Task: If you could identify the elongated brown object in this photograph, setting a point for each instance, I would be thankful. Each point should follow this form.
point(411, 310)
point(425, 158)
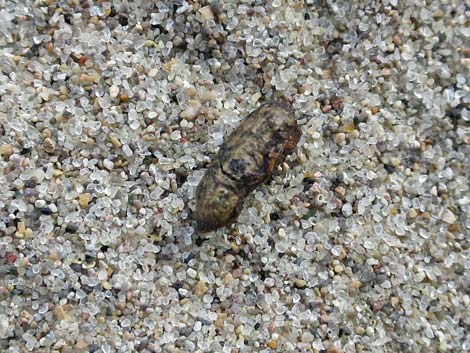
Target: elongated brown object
point(245, 160)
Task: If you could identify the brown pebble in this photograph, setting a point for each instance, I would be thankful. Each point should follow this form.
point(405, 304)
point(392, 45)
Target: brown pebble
point(192, 110)
point(326, 74)
point(355, 284)
point(338, 269)
point(115, 141)
point(49, 145)
point(340, 137)
point(397, 40)
point(332, 349)
point(46, 133)
point(342, 255)
point(219, 323)
point(101, 319)
point(455, 228)
point(184, 301)
point(128, 335)
point(210, 114)
point(81, 344)
point(191, 91)
point(426, 215)
point(26, 315)
point(206, 12)
point(228, 278)
point(6, 150)
point(340, 190)
point(394, 301)
point(272, 344)
point(54, 256)
point(324, 318)
point(200, 288)
point(302, 89)
point(412, 213)
point(88, 79)
point(465, 51)
point(360, 330)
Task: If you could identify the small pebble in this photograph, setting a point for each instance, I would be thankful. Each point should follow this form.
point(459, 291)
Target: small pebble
point(360, 330)
point(307, 337)
point(192, 110)
point(394, 301)
point(49, 145)
point(338, 269)
point(347, 210)
point(272, 344)
point(412, 213)
point(84, 200)
point(21, 227)
point(448, 217)
point(191, 272)
point(115, 141)
point(200, 289)
point(101, 319)
point(300, 283)
point(92, 348)
point(40, 203)
point(113, 91)
point(46, 211)
point(28, 233)
point(332, 349)
point(419, 276)
point(59, 312)
point(81, 344)
point(6, 150)
point(88, 79)
point(206, 12)
point(108, 164)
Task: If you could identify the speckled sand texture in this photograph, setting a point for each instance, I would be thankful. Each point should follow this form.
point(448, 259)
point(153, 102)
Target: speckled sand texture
point(110, 114)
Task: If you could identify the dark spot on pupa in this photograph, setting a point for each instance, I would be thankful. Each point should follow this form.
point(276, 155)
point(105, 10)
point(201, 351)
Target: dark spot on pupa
point(238, 166)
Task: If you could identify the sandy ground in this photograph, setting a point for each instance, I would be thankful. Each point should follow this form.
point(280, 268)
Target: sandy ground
point(109, 115)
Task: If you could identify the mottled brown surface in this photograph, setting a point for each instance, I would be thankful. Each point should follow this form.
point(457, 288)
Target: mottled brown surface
point(245, 160)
